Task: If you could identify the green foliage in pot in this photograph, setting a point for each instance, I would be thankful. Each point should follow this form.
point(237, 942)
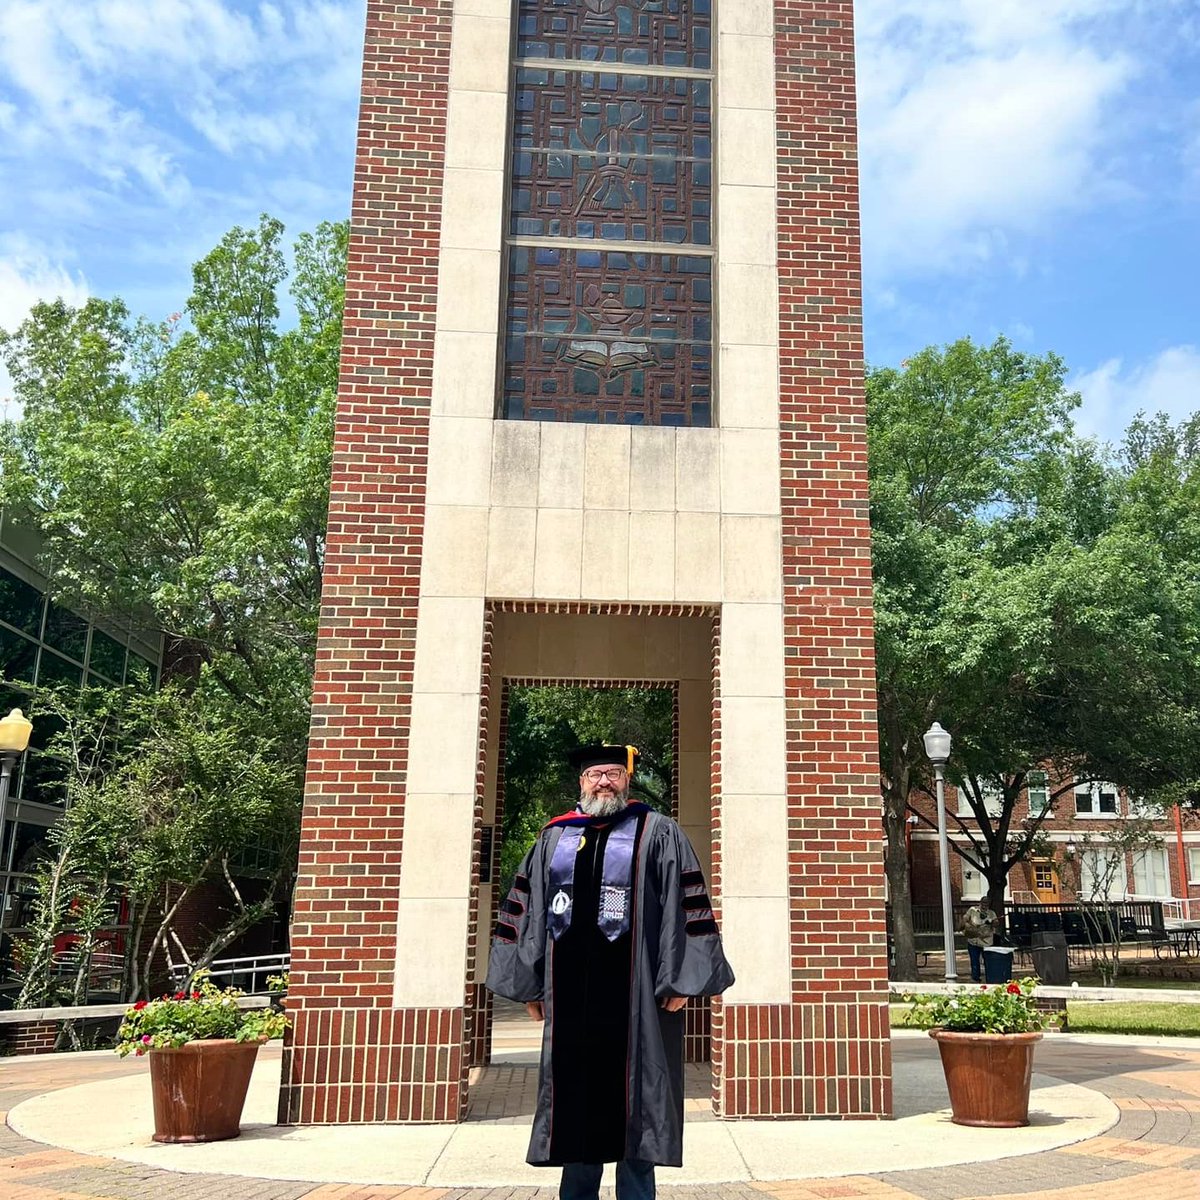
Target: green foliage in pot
point(205, 1014)
point(1005, 1008)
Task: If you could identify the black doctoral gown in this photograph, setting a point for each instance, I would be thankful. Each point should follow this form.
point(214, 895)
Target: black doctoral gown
point(610, 1084)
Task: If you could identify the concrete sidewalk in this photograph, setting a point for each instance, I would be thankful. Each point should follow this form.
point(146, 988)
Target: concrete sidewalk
point(1110, 1115)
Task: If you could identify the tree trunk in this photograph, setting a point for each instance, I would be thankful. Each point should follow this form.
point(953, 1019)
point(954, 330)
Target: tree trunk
point(899, 882)
point(995, 894)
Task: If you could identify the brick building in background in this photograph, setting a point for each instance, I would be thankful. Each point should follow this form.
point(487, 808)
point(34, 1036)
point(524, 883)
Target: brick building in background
point(1085, 820)
point(601, 418)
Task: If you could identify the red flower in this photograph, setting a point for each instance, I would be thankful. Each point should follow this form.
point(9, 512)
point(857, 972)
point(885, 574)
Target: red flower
point(195, 995)
point(1013, 989)
point(139, 1006)
point(180, 996)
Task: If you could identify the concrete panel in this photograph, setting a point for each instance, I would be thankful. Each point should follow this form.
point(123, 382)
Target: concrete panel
point(464, 374)
point(469, 291)
point(607, 454)
point(746, 224)
point(746, 149)
point(698, 470)
point(460, 460)
point(752, 650)
point(473, 209)
point(431, 953)
point(748, 296)
point(751, 559)
point(449, 644)
point(753, 746)
point(651, 556)
point(750, 388)
point(438, 833)
point(455, 558)
point(605, 573)
point(750, 471)
point(516, 449)
point(754, 845)
point(476, 130)
point(561, 465)
point(479, 54)
point(443, 743)
point(747, 70)
point(512, 534)
point(559, 553)
point(697, 557)
point(757, 940)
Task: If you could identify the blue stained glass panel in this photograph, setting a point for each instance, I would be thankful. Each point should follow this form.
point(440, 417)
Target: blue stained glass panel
point(664, 32)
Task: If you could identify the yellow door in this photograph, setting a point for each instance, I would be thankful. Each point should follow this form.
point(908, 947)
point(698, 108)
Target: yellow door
point(1045, 881)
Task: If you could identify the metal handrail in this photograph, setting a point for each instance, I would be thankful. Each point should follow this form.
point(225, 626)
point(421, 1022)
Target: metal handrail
point(243, 973)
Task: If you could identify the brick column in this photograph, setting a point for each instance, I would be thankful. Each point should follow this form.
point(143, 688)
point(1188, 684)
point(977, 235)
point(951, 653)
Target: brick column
point(827, 1053)
point(352, 1056)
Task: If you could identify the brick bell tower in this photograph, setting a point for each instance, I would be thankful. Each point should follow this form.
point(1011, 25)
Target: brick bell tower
point(601, 418)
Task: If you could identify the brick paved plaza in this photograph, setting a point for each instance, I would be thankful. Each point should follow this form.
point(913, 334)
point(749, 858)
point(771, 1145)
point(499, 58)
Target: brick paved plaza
point(1153, 1152)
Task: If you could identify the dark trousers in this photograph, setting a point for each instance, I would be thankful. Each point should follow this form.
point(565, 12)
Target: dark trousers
point(581, 1181)
point(976, 954)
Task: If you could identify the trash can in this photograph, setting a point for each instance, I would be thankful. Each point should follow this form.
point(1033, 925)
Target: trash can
point(1049, 953)
point(997, 963)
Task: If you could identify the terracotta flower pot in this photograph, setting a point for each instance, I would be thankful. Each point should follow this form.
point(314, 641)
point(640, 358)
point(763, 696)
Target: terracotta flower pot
point(200, 1089)
point(988, 1076)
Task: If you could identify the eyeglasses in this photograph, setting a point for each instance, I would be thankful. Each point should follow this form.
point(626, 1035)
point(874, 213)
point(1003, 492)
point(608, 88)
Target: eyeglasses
point(616, 774)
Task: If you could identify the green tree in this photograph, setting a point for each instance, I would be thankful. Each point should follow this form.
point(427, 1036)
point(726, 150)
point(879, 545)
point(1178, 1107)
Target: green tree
point(179, 471)
point(165, 793)
point(1033, 593)
point(959, 438)
point(546, 723)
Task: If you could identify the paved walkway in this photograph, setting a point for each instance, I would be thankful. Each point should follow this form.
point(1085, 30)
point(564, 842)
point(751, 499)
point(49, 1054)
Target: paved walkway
point(1152, 1151)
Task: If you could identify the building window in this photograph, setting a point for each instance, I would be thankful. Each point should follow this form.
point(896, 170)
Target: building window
point(1043, 877)
point(1102, 875)
point(609, 271)
point(991, 793)
point(1151, 876)
point(1038, 787)
point(1194, 864)
point(1096, 799)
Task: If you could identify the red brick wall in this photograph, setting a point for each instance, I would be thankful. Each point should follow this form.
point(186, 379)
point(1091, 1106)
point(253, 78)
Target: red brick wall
point(30, 1037)
point(349, 1047)
point(827, 1053)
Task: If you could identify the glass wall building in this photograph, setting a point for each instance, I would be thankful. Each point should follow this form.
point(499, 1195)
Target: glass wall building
point(41, 643)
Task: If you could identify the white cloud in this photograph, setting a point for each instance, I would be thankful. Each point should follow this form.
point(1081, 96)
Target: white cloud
point(27, 275)
point(983, 121)
point(101, 86)
point(1114, 394)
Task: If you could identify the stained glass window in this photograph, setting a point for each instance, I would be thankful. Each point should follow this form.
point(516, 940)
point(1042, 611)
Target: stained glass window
point(609, 257)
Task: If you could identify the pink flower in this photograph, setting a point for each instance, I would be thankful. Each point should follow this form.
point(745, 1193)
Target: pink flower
point(146, 1039)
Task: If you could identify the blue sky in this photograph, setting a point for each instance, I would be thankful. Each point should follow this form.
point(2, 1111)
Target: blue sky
point(1030, 167)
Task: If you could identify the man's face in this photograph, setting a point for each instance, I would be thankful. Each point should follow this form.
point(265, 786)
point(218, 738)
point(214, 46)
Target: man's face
point(604, 789)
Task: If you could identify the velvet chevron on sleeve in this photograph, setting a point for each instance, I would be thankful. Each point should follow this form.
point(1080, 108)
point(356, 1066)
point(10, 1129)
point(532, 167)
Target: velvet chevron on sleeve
point(606, 918)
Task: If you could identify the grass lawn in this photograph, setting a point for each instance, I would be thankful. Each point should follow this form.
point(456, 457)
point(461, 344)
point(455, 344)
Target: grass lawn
point(1118, 1017)
point(1182, 1020)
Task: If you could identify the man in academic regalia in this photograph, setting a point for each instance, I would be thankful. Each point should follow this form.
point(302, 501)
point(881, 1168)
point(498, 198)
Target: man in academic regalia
point(608, 929)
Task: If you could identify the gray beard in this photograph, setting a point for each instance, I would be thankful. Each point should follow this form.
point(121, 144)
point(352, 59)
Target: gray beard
point(601, 806)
